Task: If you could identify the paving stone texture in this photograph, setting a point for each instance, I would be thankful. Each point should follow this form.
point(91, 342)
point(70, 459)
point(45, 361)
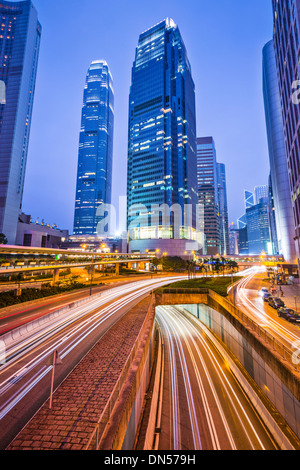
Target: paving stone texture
point(79, 401)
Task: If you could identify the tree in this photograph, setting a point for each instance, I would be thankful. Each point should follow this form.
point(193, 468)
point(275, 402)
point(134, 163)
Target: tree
point(173, 263)
point(155, 262)
point(3, 239)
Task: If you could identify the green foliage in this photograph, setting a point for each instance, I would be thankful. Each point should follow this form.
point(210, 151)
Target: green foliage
point(3, 239)
point(173, 263)
point(9, 298)
point(217, 284)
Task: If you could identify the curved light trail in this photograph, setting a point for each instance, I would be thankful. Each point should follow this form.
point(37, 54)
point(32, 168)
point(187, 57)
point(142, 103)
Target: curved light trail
point(27, 359)
point(256, 310)
point(220, 417)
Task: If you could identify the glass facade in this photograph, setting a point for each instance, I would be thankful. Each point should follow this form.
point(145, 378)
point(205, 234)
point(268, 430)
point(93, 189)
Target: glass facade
point(278, 157)
point(20, 34)
point(94, 175)
point(161, 138)
point(258, 228)
point(207, 177)
point(254, 227)
point(286, 40)
point(248, 199)
point(223, 208)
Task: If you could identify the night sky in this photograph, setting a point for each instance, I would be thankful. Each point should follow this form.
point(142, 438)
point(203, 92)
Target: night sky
point(224, 41)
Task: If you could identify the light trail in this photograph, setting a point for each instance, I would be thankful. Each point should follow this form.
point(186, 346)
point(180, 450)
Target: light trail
point(217, 404)
point(28, 357)
point(260, 314)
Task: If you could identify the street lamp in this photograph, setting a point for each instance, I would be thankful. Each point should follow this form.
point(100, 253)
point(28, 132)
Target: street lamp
point(92, 271)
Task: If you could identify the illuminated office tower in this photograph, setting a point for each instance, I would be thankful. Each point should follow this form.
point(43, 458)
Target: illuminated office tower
point(94, 175)
point(20, 33)
point(261, 192)
point(223, 208)
point(258, 228)
point(208, 195)
point(278, 157)
point(162, 142)
point(248, 199)
point(286, 41)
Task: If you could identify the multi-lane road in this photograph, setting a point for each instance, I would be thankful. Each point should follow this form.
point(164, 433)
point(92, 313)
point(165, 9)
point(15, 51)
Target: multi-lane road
point(25, 375)
point(248, 299)
point(203, 405)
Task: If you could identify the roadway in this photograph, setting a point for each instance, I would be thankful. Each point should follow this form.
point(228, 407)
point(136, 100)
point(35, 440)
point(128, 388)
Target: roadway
point(203, 405)
point(248, 299)
point(25, 376)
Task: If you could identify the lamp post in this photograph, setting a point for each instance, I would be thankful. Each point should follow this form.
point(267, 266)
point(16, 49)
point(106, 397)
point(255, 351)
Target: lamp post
point(92, 271)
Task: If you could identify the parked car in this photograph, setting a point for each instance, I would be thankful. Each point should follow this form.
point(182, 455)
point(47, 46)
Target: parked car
point(289, 314)
point(266, 296)
point(276, 302)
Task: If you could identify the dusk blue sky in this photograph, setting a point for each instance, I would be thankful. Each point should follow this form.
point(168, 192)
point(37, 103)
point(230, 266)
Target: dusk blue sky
point(224, 41)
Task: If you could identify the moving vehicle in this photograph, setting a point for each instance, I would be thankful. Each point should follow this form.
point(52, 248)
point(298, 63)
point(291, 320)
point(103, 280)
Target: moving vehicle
point(263, 291)
point(289, 314)
point(276, 302)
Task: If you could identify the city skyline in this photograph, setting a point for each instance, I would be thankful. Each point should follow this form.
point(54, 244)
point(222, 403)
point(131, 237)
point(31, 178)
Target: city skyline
point(154, 308)
point(47, 184)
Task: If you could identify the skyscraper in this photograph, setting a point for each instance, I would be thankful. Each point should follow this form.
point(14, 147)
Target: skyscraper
point(223, 208)
point(286, 41)
point(248, 199)
point(261, 192)
point(278, 157)
point(258, 228)
point(161, 142)
point(20, 34)
point(208, 193)
point(254, 226)
point(94, 174)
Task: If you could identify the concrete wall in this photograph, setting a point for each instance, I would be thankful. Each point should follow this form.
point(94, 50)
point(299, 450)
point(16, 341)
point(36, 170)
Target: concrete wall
point(270, 381)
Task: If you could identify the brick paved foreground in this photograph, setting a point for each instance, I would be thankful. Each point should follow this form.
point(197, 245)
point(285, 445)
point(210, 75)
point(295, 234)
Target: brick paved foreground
point(79, 401)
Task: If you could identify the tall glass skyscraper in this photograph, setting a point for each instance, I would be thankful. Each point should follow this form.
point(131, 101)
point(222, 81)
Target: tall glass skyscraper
point(286, 39)
point(278, 157)
point(254, 226)
point(207, 176)
point(94, 175)
point(223, 208)
point(162, 137)
point(20, 34)
point(258, 228)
